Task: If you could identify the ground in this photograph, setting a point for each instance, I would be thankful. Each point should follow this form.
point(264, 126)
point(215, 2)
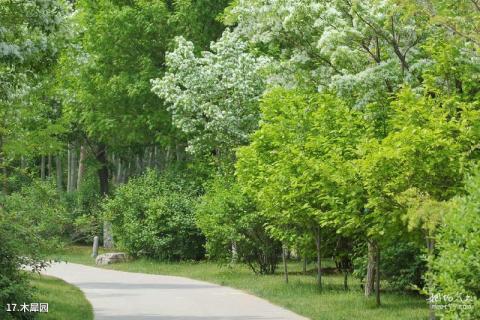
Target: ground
point(300, 295)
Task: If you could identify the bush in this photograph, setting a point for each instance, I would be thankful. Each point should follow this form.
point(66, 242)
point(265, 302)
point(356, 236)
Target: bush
point(31, 222)
point(455, 271)
point(14, 287)
point(153, 215)
point(402, 264)
point(42, 210)
point(234, 228)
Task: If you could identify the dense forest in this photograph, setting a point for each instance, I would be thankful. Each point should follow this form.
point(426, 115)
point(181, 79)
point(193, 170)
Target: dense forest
point(247, 131)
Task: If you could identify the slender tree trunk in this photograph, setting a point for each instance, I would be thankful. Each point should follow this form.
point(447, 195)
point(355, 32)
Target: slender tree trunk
point(42, 168)
point(430, 250)
point(370, 279)
point(345, 280)
point(49, 165)
point(285, 267)
point(58, 167)
point(74, 167)
point(234, 252)
point(81, 165)
point(118, 178)
point(377, 282)
point(318, 240)
point(305, 265)
point(101, 156)
point(3, 167)
point(69, 168)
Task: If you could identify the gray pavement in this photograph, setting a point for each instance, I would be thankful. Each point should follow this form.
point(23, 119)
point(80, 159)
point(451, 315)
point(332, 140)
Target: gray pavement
point(117, 295)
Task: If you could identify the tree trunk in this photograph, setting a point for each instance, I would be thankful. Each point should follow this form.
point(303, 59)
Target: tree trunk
point(345, 280)
point(234, 252)
point(304, 265)
point(370, 279)
point(101, 156)
point(74, 167)
point(81, 166)
point(42, 168)
point(58, 167)
point(285, 267)
point(318, 240)
point(49, 165)
point(3, 167)
point(430, 250)
point(377, 272)
point(118, 178)
point(69, 168)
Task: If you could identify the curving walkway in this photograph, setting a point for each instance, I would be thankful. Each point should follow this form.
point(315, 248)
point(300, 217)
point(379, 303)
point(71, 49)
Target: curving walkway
point(117, 295)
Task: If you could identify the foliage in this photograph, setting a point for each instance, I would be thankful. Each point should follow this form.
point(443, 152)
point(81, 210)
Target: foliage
point(455, 270)
point(41, 209)
point(108, 88)
point(297, 164)
point(153, 215)
point(234, 228)
point(213, 98)
point(32, 222)
point(13, 283)
point(362, 50)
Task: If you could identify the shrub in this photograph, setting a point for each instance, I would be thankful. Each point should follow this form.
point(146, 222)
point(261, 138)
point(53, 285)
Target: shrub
point(42, 210)
point(153, 215)
point(234, 228)
point(455, 271)
point(402, 264)
point(31, 222)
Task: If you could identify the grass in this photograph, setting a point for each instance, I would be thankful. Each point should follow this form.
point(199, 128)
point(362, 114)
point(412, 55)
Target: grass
point(65, 301)
point(299, 295)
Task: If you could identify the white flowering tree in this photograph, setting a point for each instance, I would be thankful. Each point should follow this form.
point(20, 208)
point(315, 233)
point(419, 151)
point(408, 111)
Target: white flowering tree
point(363, 50)
point(213, 97)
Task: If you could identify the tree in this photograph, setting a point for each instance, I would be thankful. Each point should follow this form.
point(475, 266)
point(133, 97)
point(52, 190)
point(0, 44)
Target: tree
point(297, 165)
point(213, 98)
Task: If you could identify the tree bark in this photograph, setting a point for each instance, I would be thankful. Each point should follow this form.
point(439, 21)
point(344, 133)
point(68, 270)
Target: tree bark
point(370, 279)
point(69, 168)
point(285, 267)
point(430, 250)
point(101, 156)
point(42, 168)
point(377, 272)
point(49, 165)
point(319, 257)
point(74, 168)
point(345, 280)
point(58, 167)
point(81, 166)
point(3, 167)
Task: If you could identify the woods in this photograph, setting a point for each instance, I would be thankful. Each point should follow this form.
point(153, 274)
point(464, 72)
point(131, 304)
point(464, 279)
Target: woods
point(247, 132)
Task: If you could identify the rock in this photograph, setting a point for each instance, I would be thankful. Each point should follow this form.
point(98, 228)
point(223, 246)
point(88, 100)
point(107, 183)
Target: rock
point(113, 257)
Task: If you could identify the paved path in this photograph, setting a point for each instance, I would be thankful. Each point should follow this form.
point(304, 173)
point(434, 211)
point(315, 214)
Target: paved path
point(117, 295)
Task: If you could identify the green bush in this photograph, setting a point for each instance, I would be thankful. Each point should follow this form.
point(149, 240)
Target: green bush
point(153, 215)
point(42, 210)
point(402, 264)
point(229, 219)
point(32, 221)
point(455, 270)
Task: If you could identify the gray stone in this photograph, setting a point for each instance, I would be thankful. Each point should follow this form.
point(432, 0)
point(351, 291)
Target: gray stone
point(112, 257)
point(95, 247)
